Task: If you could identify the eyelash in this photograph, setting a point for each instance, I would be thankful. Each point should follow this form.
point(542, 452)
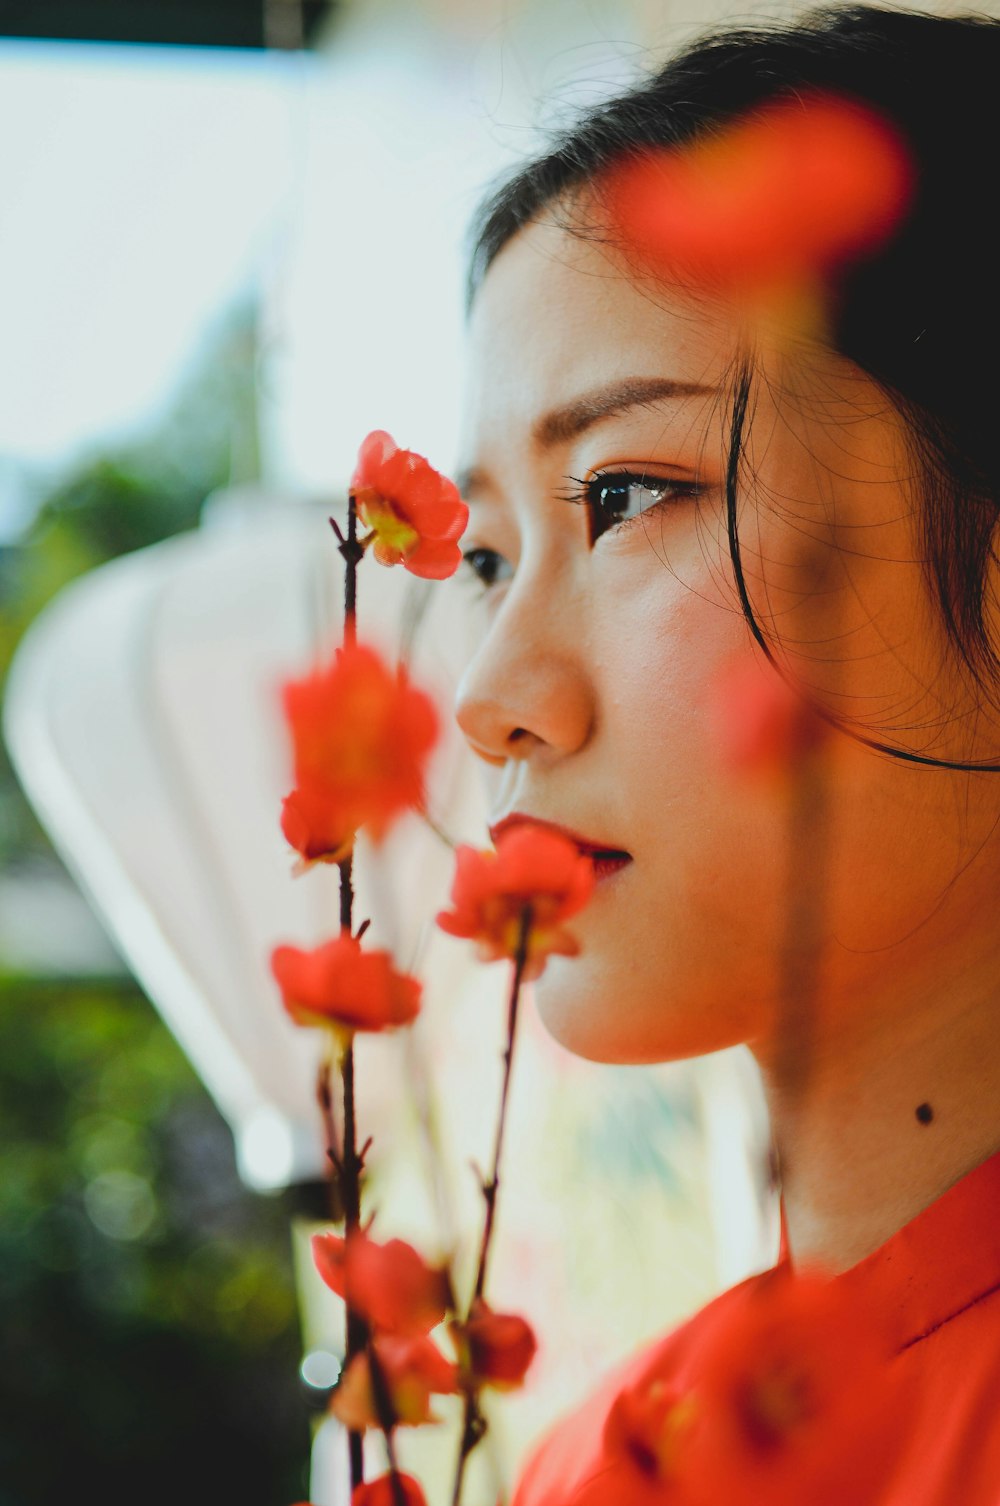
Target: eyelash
point(589, 491)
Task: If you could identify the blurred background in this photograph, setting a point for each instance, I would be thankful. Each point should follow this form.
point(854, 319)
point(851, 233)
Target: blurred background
point(231, 243)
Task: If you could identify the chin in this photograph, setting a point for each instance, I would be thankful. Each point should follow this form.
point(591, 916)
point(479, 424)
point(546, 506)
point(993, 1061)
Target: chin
point(603, 1024)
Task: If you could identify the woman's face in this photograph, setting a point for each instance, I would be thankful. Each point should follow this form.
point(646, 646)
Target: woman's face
point(595, 438)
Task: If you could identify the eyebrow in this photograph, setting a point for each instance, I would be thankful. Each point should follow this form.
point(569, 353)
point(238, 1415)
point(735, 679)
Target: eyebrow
point(566, 423)
point(574, 418)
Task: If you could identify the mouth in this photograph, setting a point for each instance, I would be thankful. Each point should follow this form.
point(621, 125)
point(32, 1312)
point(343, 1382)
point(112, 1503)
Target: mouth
point(606, 860)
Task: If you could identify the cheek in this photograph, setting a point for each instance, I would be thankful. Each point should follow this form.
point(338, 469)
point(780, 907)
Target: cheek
point(667, 941)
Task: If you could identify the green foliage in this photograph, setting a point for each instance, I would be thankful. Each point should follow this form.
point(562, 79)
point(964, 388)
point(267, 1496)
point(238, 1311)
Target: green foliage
point(138, 494)
point(148, 1334)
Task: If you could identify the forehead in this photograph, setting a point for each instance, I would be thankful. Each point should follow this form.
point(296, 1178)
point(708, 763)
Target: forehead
point(558, 314)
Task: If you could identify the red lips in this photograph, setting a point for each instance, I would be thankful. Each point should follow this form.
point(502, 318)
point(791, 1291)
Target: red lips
point(606, 860)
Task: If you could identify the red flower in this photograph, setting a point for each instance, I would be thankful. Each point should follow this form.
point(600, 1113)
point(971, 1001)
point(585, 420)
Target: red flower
point(415, 514)
point(648, 1431)
point(339, 984)
point(763, 725)
point(316, 827)
point(386, 1492)
point(782, 196)
point(789, 1399)
point(798, 1399)
point(499, 1346)
point(389, 1284)
point(361, 735)
point(533, 869)
point(413, 1371)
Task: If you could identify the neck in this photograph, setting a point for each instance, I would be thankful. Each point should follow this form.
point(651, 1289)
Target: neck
point(884, 1121)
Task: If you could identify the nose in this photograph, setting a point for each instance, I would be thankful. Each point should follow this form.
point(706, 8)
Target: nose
point(527, 692)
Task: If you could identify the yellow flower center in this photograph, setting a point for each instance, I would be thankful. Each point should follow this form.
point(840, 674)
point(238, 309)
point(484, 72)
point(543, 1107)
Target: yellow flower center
point(395, 535)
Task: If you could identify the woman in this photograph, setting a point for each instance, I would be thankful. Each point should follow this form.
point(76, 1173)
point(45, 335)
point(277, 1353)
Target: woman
point(668, 492)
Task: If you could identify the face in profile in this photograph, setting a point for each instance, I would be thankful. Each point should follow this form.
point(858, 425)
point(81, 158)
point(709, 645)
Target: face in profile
point(606, 613)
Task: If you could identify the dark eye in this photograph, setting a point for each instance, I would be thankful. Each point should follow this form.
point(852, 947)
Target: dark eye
point(487, 566)
point(622, 497)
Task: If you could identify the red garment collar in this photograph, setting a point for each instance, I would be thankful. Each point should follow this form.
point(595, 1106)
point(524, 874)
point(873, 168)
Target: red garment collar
point(940, 1263)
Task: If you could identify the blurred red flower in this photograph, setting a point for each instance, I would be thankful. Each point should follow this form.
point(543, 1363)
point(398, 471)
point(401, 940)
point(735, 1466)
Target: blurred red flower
point(763, 725)
point(413, 1371)
point(790, 1399)
point(361, 736)
point(342, 985)
point(781, 196)
point(386, 1492)
point(390, 1284)
point(415, 513)
point(648, 1432)
point(533, 869)
point(499, 1346)
point(798, 1397)
point(316, 826)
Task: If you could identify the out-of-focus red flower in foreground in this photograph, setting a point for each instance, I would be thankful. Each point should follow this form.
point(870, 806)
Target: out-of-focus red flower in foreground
point(390, 1284)
point(648, 1430)
point(316, 826)
point(498, 1347)
point(779, 197)
point(341, 985)
point(415, 514)
point(790, 1399)
point(798, 1393)
point(533, 869)
point(387, 1492)
point(361, 736)
point(763, 726)
point(413, 1370)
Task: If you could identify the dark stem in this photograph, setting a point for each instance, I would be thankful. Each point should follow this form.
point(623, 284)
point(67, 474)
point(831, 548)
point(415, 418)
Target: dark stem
point(352, 553)
point(386, 1414)
point(473, 1428)
point(350, 1168)
point(491, 1189)
point(351, 1161)
point(324, 1097)
point(473, 1421)
point(350, 1177)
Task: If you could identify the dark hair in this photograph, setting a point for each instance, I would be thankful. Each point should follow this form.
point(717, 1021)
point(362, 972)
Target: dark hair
point(922, 317)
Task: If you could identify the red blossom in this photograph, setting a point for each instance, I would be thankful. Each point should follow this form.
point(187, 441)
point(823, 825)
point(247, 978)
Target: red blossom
point(789, 1399)
point(390, 1284)
point(764, 726)
point(648, 1432)
point(413, 1370)
point(386, 1491)
point(779, 197)
point(315, 825)
point(533, 869)
point(415, 514)
point(342, 985)
point(361, 736)
point(499, 1346)
point(799, 1401)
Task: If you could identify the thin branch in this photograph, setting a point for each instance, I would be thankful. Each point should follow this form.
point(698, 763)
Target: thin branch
point(473, 1422)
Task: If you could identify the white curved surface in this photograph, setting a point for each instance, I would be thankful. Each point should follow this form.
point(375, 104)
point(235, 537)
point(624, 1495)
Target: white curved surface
point(143, 718)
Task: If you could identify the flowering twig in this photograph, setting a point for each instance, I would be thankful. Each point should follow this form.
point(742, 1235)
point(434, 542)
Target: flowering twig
point(361, 734)
point(491, 1188)
point(473, 1422)
point(350, 1165)
point(385, 1412)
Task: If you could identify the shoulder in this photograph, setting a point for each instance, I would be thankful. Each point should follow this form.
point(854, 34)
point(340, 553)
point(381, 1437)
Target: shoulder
point(571, 1462)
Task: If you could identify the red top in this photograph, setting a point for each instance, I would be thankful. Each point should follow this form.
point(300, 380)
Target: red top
point(937, 1280)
